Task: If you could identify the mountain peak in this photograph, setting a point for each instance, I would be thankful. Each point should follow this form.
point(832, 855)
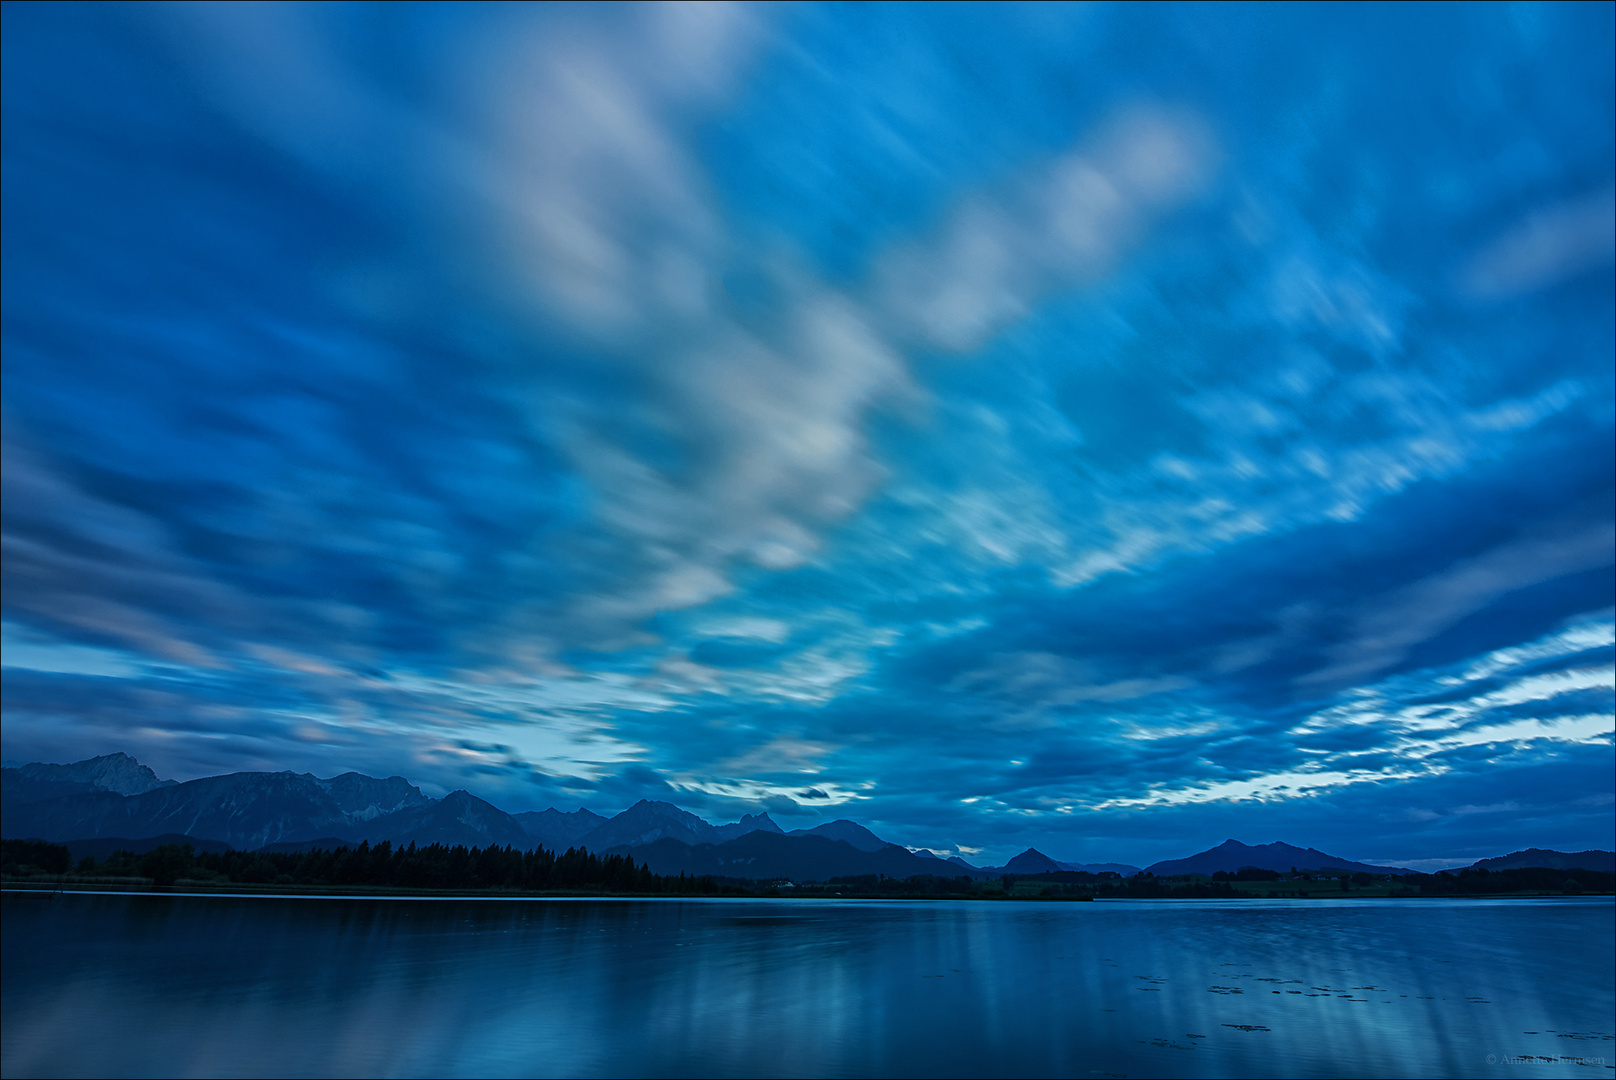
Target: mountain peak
point(646, 821)
point(657, 806)
point(749, 823)
point(848, 832)
point(1031, 861)
point(1232, 855)
point(1594, 859)
point(116, 772)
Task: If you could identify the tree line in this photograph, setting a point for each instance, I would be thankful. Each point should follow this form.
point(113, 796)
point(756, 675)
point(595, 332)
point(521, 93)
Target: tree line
point(434, 866)
point(507, 869)
point(1074, 885)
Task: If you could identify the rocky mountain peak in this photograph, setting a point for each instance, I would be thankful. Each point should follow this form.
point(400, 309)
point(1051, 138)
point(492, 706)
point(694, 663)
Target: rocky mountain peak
point(118, 773)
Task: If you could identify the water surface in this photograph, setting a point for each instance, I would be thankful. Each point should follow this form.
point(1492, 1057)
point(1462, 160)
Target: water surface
point(122, 985)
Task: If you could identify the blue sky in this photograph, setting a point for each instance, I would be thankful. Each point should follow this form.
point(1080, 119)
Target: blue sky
point(1105, 428)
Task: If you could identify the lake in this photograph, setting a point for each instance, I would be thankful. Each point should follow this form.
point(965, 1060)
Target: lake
point(235, 986)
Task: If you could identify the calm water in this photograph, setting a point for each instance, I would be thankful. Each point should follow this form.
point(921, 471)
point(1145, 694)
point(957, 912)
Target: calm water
point(120, 985)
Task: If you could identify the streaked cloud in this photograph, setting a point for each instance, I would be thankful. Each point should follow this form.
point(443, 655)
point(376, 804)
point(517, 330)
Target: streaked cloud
point(945, 416)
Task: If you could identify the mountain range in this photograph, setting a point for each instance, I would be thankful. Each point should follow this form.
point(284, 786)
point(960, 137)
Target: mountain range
point(1232, 855)
point(115, 800)
point(1553, 860)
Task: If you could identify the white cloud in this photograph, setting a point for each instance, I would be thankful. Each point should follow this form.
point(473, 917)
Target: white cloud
point(1553, 243)
point(819, 794)
point(1352, 304)
point(1593, 633)
point(1269, 787)
point(1238, 488)
point(1067, 222)
point(782, 754)
point(31, 651)
point(558, 156)
point(1416, 737)
point(750, 627)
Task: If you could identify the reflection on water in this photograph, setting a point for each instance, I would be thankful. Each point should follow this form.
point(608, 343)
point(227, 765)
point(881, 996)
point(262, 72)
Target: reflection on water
point(123, 985)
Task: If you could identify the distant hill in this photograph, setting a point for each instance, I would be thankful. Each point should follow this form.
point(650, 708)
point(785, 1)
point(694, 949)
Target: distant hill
point(1232, 855)
point(244, 810)
point(1031, 861)
point(848, 832)
point(642, 823)
point(556, 830)
point(766, 856)
point(749, 823)
point(114, 799)
point(100, 847)
point(1595, 859)
point(457, 818)
point(646, 822)
point(1124, 869)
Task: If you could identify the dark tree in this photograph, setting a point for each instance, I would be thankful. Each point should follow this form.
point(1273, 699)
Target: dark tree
point(166, 862)
point(21, 857)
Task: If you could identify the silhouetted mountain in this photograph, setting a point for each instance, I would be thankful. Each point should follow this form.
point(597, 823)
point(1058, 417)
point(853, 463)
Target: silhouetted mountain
point(457, 818)
point(646, 822)
point(1595, 859)
point(18, 788)
point(848, 832)
point(245, 810)
point(115, 799)
point(118, 773)
point(761, 855)
point(748, 823)
point(1031, 861)
point(250, 810)
point(365, 798)
point(1100, 868)
point(557, 830)
point(1232, 855)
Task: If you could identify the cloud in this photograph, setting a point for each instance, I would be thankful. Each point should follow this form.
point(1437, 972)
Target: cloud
point(782, 754)
point(1552, 244)
point(1390, 627)
point(770, 428)
point(583, 404)
point(1034, 688)
point(777, 798)
point(1066, 223)
point(32, 651)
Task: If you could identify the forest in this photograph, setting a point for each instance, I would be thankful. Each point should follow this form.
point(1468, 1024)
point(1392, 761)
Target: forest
point(383, 866)
point(438, 867)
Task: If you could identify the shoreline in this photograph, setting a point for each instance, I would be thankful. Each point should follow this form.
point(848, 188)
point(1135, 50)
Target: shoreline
point(18, 891)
